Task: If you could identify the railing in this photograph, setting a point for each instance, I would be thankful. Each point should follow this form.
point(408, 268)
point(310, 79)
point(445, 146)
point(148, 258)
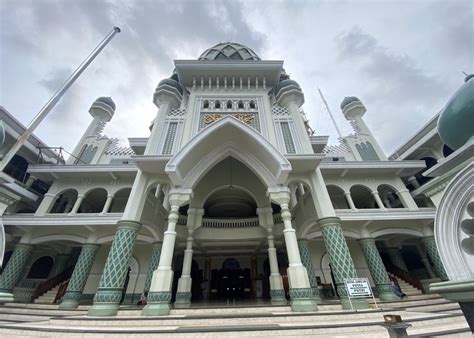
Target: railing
point(406, 277)
point(61, 291)
point(230, 222)
point(51, 283)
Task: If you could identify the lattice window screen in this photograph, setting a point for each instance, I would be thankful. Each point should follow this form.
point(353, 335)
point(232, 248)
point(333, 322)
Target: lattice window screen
point(170, 136)
point(289, 144)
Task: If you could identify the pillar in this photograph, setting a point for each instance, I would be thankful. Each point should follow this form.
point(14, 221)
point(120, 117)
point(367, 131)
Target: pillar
point(78, 279)
point(396, 258)
point(77, 205)
point(341, 260)
point(300, 288)
point(407, 199)
point(183, 294)
point(61, 262)
point(107, 204)
point(46, 204)
point(303, 246)
point(109, 293)
point(277, 290)
point(349, 200)
point(13, 270)
point(377, 269)
point(159, 296)
point(425, 260)
point(432, 251)
point(378, 200)
point(154, 260)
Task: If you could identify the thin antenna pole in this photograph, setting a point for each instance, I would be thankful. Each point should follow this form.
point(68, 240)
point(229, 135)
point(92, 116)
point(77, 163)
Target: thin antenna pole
point(55, 99)
point(330, 114)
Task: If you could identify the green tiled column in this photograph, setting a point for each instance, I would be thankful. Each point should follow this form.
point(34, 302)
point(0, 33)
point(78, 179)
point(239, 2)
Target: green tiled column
point(303, 246)
point(341, 260)
point(377, 269)
point(60, 264)
point(396, 258)
point(109, 293)
point(432, 251)
point(79, 277)
point(13, 270)
point(154, 260)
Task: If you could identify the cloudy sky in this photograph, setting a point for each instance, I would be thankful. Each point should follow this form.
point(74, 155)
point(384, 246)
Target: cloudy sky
point(404, 59)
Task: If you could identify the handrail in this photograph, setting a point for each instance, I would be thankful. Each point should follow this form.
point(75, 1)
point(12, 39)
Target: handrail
point(235, 222)
point(51, 283)
point(405, 276)
point(61, 291)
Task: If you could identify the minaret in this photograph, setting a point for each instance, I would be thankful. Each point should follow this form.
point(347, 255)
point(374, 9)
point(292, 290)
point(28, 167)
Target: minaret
point(364, 145)
point(102, 111)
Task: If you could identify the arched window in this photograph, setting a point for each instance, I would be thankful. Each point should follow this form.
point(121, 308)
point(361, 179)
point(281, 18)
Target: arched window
point(252, 104)
point(120, 200)
point(41, 268)
point(94, 201)
point(389, 196)
point(231, 263)
point(217, 104)
point(205, 104)
point(65, 202)
point(241, 104)
point(337, 196)
point(229, 104)
point(363, 198)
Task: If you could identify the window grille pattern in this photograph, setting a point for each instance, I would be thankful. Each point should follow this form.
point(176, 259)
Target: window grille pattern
point(170, 136)
point(289, 144)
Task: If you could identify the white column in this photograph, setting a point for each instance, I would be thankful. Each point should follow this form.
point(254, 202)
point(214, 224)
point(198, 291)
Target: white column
point(277, 290)
point(46, 204)
point(378, 200)
point(77, 205)
point(349, 200)
point(107, 204)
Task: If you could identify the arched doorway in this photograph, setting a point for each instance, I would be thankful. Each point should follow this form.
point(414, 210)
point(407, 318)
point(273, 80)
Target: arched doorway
point(234, 283)
point(41, 268)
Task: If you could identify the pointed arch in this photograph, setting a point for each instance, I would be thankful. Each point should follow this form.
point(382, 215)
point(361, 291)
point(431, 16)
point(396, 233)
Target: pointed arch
point(224, 138)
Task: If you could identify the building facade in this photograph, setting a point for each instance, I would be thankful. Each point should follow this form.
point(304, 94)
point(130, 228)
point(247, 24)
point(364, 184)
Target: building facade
point(231, 197)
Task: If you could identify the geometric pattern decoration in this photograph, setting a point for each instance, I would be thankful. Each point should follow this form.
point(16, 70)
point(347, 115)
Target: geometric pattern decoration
point(300, 293)
point(159, 297)
point(280, 111)
point(81, 272)
point(183, 297)
point(396, 258)
point(15, 266)
point(154, 260)
point(376, 266)
point(339, 255)
point(305, 254)
point(432, 251)
point(116, 266)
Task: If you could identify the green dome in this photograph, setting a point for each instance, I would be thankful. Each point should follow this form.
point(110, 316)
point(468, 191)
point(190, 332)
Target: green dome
point(456, 121)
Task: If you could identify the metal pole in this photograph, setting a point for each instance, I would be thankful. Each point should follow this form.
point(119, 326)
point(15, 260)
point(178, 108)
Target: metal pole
point(330, 114)
point(55, 99)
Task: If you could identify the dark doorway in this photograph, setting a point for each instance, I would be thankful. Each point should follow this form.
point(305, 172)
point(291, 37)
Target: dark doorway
point(41, 268)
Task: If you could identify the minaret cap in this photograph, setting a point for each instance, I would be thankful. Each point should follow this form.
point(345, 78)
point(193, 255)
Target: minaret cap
point(103, 109)
point(352, 107)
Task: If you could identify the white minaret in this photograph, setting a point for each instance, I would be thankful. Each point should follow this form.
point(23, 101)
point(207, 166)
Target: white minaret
point(364, 145)
point(102, 111)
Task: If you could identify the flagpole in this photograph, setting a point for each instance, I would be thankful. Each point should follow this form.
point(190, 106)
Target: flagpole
point(55, 99)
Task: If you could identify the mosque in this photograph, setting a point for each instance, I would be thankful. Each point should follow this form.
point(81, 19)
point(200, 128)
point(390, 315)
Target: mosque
point(231, 197)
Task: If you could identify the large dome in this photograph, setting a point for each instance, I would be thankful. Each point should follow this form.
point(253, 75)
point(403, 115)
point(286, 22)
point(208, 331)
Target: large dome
point(229, 51)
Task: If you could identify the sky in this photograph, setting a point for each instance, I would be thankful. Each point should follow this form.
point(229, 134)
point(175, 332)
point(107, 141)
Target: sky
point(403, 59)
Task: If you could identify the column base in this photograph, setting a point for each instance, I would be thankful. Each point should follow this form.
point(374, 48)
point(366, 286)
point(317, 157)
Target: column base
point(357, 304)
point(183, 299)
point(6, 297)
point(278, 297)
point(156, 309)
point(302, 301)
point(315, 294)
point(70, 300)
point(304, 305)
point(103, 310)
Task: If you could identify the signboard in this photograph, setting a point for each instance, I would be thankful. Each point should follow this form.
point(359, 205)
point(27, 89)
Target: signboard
point(358, 287)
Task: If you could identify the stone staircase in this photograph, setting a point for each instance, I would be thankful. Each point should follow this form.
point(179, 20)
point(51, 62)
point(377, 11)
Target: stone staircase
point(48, 297)
point(429, 315)
point(407, 288)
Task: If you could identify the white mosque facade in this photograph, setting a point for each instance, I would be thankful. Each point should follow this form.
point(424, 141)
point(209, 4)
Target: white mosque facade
point(231, 196)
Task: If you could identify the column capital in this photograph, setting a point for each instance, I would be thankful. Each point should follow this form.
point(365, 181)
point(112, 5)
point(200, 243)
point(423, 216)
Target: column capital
point(280, 195)
point(328, 221)
point(366, 240)
point(125, 224)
